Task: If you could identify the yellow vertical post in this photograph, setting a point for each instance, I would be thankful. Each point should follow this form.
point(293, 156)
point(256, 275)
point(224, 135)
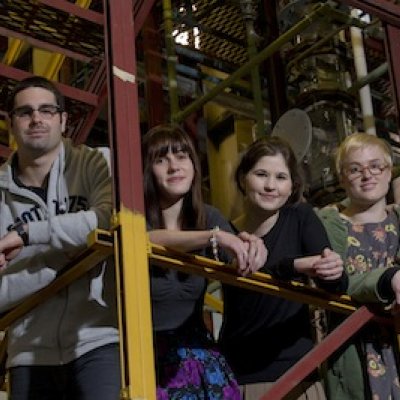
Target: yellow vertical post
point(222, 156)
point(40, 61)
point(131, 255)
point(137, 361)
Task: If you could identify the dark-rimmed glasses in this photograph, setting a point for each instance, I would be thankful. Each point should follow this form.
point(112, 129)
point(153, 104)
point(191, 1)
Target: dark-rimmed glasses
point(46, 111)
point(355, 171)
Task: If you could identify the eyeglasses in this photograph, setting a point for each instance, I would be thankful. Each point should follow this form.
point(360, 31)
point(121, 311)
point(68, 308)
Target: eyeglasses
point(46, 111)
point(355, 171)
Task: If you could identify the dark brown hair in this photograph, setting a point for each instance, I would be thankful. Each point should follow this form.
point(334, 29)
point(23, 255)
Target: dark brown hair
point(156, 143)
point(271, 146)
point(35, 81)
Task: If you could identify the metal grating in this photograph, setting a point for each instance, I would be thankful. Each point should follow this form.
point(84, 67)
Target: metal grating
point(52, 26)
point(221, 26)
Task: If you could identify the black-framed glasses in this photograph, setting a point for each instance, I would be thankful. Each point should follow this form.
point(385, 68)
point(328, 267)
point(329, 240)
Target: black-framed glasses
point(46, 111)
point(355, 171)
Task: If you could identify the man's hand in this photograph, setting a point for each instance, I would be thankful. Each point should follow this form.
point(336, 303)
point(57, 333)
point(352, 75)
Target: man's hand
point(10, 246)
point(3, 262)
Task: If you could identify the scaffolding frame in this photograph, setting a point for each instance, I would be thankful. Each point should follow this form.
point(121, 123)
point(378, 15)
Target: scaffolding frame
point(131, 247)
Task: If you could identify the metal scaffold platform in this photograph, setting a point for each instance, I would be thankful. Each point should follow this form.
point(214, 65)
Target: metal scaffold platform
point(115, 62)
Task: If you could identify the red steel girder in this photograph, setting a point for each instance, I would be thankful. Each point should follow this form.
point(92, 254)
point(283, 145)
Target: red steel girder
point(71, 8)
point(320, 353)
point(273, 66)
point(141, 12)
point(392, 47)
point(153, 73)
point(44, 45)
point(68, 91)
point(123, 104)
point(86, 125)
point(385, 10)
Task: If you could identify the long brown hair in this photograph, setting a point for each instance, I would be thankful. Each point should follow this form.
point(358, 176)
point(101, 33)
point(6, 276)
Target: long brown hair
point(271, 146)
point(156, 143)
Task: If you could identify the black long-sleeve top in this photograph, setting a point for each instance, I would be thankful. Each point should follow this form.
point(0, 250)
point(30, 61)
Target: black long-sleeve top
point(262, 336)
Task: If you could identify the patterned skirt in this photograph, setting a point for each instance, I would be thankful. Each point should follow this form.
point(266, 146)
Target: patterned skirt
point(189, 367)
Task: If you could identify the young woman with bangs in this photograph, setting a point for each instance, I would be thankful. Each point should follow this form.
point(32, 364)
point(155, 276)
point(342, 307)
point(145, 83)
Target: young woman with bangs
point(189, 366)
point(262, 336)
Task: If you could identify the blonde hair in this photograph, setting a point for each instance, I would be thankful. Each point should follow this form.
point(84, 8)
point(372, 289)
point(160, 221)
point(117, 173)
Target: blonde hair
point(358, 141)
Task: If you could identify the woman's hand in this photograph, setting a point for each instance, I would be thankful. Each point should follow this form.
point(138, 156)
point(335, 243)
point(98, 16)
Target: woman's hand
point(257, 253)
point(248, 249)
point(235, 246)
point(329, 266)
point(396, 289)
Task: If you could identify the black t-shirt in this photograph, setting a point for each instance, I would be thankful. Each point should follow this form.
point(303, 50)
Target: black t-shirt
point(177, 296)
point(262, 335)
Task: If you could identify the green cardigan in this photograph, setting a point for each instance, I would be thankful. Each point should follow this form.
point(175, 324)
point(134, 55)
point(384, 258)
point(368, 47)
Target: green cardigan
point(345, 374)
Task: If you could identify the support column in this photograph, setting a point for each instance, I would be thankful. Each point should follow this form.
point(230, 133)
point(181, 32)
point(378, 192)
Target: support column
point(137, 361)
point(392, 47)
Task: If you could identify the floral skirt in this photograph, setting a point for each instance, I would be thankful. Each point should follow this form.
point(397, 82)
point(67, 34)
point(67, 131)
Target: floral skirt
point(189, 367)
point(382, 363)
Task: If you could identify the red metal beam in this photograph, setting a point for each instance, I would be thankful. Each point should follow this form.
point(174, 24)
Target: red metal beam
point(274, 67)
point(68, 91)
point(44, 45)
point(73, 9)
point(124, 105)
point(86, 125)
point(89, 120)
point(141, 13)
point(153, 73)
point(320, 353)
point(392, 47)
point(385, 10)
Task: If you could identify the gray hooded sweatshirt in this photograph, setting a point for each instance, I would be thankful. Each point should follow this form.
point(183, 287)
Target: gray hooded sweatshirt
point(81, 317)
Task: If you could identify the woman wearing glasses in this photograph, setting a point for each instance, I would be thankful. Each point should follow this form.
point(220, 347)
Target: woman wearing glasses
point(366, 234)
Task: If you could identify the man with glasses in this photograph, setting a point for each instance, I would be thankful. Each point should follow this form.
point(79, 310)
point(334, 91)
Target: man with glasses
point(52, 194)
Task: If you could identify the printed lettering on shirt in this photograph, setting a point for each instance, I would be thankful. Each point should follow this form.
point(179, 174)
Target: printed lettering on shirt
point(76, 204)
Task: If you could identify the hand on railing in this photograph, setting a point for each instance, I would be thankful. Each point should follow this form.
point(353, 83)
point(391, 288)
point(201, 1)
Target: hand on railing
point(327, 266)
point(10, 246)
point(396, 289)
point(257, 253)
point(3, 261)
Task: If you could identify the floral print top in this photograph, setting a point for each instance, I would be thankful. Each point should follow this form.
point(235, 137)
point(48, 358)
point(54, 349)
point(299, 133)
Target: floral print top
point(372, 245)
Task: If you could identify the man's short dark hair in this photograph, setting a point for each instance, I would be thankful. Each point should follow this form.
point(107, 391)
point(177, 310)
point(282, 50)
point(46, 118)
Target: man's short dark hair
point(35, 81)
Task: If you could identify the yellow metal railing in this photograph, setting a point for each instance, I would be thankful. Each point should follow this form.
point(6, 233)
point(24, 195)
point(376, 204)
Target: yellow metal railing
point(215, 270)
point(102, 244)
point(97, 250)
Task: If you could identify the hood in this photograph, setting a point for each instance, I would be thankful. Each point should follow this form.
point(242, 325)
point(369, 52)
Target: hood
point(56, 176)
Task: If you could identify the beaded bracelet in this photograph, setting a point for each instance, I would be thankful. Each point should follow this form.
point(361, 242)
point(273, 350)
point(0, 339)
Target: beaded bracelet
point(214, 242)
